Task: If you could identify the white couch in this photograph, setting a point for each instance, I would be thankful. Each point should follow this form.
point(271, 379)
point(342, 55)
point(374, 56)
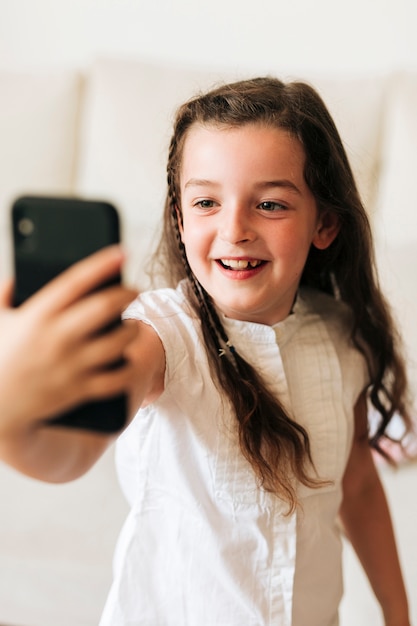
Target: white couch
point(104, 133)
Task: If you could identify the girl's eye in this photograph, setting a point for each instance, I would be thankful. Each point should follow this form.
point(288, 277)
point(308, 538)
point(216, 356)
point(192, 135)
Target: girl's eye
point(204, 204)
point(269, 205)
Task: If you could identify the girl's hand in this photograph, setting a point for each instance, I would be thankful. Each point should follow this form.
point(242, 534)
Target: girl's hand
point(52, 354)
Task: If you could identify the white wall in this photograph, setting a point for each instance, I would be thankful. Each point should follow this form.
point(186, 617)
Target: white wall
point(359, 35)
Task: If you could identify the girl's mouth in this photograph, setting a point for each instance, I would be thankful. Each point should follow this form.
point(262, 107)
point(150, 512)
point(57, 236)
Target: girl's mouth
point(240, 264)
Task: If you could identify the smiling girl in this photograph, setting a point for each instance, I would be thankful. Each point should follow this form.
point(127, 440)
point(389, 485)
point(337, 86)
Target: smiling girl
point(249, 218)
point(255, 367)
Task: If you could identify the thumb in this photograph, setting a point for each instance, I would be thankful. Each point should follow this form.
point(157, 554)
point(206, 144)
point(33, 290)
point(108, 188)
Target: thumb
point(6, 292)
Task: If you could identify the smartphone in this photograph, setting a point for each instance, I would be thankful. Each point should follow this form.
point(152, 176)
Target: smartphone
point(49, 235)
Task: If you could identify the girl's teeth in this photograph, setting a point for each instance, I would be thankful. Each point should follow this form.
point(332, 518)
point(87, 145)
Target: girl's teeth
point(239, 264)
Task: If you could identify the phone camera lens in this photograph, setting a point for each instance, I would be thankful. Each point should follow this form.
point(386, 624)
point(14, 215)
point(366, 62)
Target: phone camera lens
point(25, 226)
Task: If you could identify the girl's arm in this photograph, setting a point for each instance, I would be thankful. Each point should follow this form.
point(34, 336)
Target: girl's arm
point(53, 357)
point(367, 522)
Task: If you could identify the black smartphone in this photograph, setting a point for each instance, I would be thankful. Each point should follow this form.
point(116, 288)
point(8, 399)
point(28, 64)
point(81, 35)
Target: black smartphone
point(49, 235)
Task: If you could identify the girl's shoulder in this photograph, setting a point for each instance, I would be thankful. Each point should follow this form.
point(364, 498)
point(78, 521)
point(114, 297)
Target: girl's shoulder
point(333, 321)
point(160, 303)
point(316, 304)
point(169, 312)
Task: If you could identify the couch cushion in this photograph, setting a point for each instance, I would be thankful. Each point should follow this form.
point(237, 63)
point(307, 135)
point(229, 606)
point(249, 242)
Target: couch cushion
point(127, 127)
point(396, 202)
point(38, 130)
point(397, 210)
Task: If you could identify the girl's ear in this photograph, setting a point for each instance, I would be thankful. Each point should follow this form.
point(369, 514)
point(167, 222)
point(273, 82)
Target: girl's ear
point(327, 230)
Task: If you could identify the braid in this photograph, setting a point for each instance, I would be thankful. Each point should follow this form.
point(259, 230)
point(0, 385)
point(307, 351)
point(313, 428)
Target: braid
point(197, 289)
point(270, 440)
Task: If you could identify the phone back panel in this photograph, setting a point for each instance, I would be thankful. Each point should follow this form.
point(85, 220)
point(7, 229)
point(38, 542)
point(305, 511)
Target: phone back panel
point(49, 235)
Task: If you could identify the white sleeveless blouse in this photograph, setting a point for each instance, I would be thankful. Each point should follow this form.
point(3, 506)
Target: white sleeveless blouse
point(203, 545)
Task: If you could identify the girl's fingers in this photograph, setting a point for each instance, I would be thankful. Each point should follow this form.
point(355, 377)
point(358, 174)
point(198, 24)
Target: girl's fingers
point(94, 312)
point(107, 349)
point(104, 384)
point(77, 281)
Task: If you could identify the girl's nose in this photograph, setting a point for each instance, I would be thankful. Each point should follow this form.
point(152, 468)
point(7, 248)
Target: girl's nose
point(236, 225)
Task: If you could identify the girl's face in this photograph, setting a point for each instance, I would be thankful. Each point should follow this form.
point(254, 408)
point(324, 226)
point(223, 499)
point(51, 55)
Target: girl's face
point(249, 218)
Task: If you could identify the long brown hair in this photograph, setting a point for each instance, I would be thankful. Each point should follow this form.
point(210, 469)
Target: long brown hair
point(276, 446)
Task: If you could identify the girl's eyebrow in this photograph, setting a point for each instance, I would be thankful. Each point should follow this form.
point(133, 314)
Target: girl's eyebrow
point(282, 183)
point(200, 182)
point(267, 184)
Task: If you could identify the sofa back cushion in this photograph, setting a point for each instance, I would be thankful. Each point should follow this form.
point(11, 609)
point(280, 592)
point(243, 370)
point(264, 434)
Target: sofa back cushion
point(39, 117)
point(396, 206)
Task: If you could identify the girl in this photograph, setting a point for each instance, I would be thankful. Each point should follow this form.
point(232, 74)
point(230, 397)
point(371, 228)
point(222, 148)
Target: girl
point(254, 371)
